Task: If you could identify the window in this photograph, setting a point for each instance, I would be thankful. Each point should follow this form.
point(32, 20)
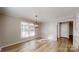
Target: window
point(24, 30)
point(31, 30)
point(27, 29)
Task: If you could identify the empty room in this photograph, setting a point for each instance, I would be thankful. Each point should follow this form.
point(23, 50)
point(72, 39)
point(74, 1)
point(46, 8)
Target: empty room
point(39, 29)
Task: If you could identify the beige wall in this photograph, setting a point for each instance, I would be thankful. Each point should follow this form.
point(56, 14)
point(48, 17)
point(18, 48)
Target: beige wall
point(0, 32)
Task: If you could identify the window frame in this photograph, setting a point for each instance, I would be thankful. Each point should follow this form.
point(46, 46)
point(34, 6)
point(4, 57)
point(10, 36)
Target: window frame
point(29, 30)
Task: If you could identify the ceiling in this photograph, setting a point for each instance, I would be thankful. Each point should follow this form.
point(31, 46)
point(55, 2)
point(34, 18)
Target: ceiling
point(45, 14)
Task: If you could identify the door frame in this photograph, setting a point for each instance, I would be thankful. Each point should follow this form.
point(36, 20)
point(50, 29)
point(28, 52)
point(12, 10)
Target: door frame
point(59, 28)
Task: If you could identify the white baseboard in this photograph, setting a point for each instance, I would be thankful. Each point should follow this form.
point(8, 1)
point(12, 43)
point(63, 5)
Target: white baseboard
point(15, 43)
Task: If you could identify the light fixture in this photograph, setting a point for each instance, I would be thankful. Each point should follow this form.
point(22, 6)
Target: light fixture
point(36, 23)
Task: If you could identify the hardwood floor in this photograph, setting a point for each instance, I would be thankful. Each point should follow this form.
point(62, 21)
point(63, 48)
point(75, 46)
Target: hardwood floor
point(62, 45)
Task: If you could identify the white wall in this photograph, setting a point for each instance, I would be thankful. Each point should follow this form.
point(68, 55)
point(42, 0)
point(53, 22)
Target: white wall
point(76, 41)
point(75, 44)
point(12, 31)
point(49, 31)
point(65, 29)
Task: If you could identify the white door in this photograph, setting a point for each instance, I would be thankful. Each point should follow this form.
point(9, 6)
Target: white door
point(65, 30)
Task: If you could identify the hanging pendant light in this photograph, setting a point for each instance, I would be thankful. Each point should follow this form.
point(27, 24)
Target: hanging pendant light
point(36, 23)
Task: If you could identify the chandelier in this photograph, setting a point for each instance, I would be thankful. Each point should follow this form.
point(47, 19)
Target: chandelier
point(36, 22)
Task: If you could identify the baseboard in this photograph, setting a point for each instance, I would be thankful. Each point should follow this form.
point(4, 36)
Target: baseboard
point(17, 43)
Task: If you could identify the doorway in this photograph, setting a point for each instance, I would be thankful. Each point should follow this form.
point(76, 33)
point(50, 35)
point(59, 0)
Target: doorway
point(65, 30)
point(71, 31)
